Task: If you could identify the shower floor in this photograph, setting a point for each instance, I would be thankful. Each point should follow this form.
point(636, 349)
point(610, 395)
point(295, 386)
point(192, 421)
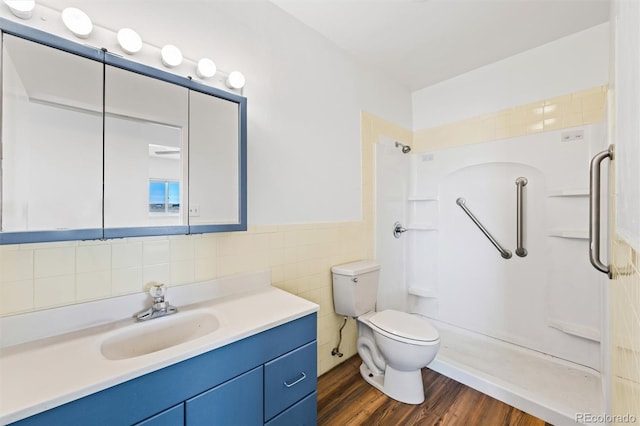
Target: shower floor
point(546, 387)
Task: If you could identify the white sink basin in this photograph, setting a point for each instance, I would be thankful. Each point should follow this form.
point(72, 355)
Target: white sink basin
point(157, 334)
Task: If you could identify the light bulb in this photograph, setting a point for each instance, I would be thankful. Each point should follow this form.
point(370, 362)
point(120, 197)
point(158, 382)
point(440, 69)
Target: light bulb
point(206, 68)
point(23, 9)
point(77, 22)
point(129, 41)
point(235, 80)
point(171, 56)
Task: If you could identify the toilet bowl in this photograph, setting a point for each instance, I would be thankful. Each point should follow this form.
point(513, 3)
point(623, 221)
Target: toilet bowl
point(393, 345)
point(406, 343)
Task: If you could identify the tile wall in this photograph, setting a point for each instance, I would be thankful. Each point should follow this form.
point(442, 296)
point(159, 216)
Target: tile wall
point(625, 332)
point(575, 109)
point(40, 276)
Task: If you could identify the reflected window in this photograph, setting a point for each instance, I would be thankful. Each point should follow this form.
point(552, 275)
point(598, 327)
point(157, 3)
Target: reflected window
point(164, 197)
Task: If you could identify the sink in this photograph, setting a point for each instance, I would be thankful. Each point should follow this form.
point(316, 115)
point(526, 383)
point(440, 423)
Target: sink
point(157, 334)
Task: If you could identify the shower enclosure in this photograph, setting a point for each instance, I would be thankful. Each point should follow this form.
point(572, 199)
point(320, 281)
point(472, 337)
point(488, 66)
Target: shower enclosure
point(495, 256)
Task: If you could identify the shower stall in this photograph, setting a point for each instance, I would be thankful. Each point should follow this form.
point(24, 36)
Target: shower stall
point(496, 257)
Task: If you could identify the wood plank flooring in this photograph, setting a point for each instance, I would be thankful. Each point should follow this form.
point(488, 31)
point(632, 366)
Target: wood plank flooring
point(344, 398)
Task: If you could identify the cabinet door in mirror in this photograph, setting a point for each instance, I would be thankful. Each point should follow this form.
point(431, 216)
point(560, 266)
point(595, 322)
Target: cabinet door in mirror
point(214, 160)
point(51, 141)
point(145, 134)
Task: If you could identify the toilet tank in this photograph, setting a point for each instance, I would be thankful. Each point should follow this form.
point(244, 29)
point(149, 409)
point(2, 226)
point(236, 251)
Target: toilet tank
point(355, 287)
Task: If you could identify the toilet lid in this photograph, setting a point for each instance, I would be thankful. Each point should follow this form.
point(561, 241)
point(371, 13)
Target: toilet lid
point(405, 325)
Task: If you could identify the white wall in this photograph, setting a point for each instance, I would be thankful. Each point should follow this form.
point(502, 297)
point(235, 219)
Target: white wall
point(573, 63)
point(304, 95)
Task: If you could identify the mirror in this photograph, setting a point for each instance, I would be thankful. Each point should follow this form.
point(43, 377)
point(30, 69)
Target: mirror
point(96, 146)
point(51, 139)
point(145, 140)
point(214, 154)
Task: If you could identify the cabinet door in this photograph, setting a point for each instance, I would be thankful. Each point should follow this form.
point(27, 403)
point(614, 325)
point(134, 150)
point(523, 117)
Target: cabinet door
point(172, 417)
point(235, 402)
point(51, 174)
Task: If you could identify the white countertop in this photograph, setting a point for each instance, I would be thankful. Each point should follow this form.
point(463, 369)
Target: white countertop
point(44, 373)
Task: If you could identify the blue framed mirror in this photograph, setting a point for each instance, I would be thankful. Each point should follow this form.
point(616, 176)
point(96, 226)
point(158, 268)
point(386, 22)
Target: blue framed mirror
point(96, 146)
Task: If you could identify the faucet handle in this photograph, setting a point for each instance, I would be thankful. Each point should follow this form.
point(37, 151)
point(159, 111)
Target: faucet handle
point(157, 290)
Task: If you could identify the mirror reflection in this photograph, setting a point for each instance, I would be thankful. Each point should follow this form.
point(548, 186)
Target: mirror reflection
point(51, 138)
point(146, 131)
point(214, 160)
point(95, 146)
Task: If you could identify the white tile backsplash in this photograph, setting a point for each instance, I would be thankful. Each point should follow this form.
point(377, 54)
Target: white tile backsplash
point(126, 281)
point(53, 262)
point(160, 273)
point(182, 272)
point(16, 296)
point(93, 285)
point(54, 291)
point(91, 258)
point(16, 265)
point(182, 249)
point(156, 252)
point(205, 248)
point(205, 268)
point(128, 255)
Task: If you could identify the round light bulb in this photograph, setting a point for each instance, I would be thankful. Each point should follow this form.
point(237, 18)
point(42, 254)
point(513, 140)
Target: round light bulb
point(129, 41)
point(171, 56)
point(23, 9)
point(77, 22)
point(206, 68)
point(235, 80)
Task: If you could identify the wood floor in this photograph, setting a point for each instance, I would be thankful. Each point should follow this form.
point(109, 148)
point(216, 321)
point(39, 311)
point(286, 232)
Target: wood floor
point(344, 398)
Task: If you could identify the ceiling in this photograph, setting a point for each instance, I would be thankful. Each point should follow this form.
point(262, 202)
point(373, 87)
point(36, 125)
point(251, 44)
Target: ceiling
point(422, 42)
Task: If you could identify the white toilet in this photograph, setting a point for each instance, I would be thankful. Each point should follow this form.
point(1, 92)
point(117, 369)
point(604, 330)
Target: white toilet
point(393, 345)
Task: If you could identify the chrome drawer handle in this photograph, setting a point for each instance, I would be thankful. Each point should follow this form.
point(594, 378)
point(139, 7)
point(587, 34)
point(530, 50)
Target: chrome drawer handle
point(304, 376)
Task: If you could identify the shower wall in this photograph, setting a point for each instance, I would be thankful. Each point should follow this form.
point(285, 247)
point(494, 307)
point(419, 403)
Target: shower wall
point(548, 301)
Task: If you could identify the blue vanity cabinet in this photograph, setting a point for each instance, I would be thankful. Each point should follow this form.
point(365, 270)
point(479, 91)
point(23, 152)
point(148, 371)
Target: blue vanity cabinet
point(253, 381)
point(174, 416)
point(236, 402)
point(289, 378)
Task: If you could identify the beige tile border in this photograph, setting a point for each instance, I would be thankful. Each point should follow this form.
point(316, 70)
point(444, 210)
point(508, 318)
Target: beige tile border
point(575, 109)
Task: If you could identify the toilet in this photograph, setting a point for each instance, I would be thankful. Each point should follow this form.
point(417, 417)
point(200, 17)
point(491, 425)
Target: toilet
point(393, 345)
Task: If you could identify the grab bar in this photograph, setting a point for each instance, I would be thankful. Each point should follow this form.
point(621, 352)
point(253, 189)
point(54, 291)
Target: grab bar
point(503, 252)
point(594, 210)
point(521, 182)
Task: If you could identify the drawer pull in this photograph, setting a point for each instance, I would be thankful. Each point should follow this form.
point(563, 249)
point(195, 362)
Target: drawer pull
point(304, 376)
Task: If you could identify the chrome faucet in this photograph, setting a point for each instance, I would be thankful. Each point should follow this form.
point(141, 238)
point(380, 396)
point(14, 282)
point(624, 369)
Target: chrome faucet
point(160, 308)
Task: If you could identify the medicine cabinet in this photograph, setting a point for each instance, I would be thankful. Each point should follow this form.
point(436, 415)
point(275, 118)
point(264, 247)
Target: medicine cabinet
point(95, 146)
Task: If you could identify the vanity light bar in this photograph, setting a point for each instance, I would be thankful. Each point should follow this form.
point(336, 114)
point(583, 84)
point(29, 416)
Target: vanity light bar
point(129, 41)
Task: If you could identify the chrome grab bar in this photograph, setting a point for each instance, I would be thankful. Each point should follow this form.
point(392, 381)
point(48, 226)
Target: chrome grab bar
point(594, 210)
point(521, 182)
point(503, 252)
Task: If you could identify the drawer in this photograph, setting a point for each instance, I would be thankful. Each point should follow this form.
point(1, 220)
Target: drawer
point(302, 413)
point(289, 378)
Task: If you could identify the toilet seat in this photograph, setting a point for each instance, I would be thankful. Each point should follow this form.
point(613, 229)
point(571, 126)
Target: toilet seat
point(404, 327)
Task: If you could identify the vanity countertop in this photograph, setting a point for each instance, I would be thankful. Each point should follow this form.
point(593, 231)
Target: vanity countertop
point(44, 373)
